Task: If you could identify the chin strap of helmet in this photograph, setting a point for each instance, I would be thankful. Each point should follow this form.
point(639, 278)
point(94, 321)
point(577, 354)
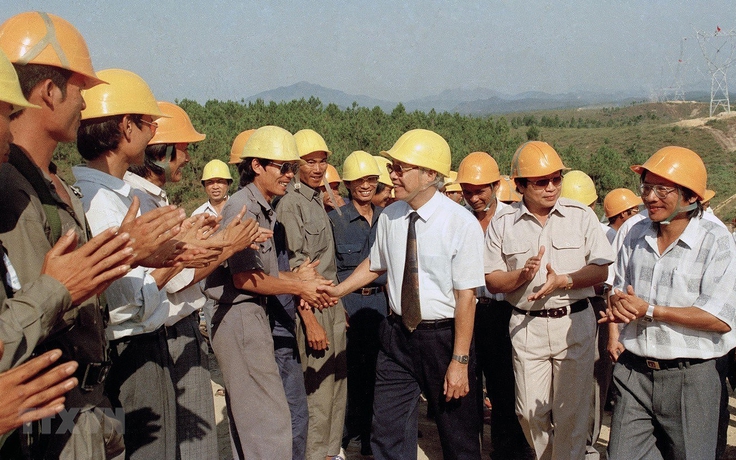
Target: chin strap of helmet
point(328, 189)
point(678, 209)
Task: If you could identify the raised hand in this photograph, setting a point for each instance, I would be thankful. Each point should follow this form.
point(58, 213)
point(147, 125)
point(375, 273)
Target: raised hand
point(531, 267)
point(553, 282)
point(96, 264)
point(150, 233)
point(29, 394)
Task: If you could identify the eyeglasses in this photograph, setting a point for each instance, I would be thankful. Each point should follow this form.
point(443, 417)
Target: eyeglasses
point(286, 167)
point(660, 190)
point(151, 124)
point(543, 183)
point(398, 169)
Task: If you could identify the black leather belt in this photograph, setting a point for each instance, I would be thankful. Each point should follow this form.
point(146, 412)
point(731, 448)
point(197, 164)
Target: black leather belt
point(427, 324)
point(641, 362)
point(369, 290)
point(485, 300)
point(559, 312)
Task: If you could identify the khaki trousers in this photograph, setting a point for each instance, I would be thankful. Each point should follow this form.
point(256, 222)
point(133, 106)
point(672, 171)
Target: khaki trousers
point(553, 366)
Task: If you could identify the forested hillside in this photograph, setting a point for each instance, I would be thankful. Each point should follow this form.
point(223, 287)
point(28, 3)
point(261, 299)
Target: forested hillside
point(602, 142)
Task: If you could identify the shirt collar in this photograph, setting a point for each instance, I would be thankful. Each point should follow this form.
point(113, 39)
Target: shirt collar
point(352, 213)
point(523, 210)
point(308, 192)
point(87, 174)
point(260, 199)
point(141, 183)
point(428, 208)
point(688, 237)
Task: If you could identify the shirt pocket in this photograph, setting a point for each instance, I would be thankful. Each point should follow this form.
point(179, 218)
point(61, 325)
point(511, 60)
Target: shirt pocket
point(516, 253)
point(348, 255)
point(568, 253)
point(315, 235)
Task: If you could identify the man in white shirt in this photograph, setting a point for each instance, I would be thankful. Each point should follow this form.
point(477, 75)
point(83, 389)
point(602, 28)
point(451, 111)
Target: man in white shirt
point(426, 341)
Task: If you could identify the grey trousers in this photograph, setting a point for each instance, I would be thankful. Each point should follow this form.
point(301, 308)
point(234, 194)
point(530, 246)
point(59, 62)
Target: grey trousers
point(325, 377)
point(260, 421)
point(196, 434)
point(664, 414)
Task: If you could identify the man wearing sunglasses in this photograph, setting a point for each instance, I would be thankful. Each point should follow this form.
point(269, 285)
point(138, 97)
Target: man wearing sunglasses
point(546, 253)
point(674, 290)
point(253, 282)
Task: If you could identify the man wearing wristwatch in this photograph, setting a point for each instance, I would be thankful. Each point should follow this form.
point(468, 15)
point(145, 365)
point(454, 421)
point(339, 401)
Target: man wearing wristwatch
point(674, 290)
point(546, 253)
point(430, 249)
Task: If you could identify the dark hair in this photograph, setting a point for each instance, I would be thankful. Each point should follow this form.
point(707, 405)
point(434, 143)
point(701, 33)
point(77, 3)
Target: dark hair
point(380, 187)
point(155, 153)
point(99, 135)
point(245, 169)
point(31, 75)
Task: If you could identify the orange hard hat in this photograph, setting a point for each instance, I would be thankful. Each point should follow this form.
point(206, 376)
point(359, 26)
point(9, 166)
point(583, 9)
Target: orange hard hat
point(535, 159)
point(238, 145)
point(42, 38)
point(679, 165)
point(176, 129)
point(619, 200)
point(478, 168)
point(709, 194)
point(331, 175)
point(506, 191)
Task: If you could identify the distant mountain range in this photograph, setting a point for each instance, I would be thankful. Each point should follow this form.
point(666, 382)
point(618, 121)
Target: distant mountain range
point(479, 101)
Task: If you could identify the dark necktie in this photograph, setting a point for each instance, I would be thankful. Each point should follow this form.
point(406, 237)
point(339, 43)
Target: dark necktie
point(411, 313)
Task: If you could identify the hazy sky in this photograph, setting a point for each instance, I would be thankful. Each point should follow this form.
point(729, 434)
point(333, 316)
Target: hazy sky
point(394, 50)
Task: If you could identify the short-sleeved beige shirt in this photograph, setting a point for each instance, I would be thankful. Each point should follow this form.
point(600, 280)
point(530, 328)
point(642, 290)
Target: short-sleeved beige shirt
point(572, 238)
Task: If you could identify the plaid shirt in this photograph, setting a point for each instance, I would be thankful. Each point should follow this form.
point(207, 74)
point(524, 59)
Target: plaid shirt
point(699, 269)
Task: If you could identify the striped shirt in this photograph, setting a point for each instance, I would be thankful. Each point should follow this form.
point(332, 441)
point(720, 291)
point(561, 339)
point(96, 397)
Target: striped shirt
point(698, 269)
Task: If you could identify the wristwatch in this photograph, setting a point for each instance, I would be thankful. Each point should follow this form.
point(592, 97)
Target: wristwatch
point(649, 315)
point(462, 359)
point(568, 286)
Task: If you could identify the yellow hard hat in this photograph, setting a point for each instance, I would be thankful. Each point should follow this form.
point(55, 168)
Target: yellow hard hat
point(506, 191)
point(331, 175)
point(384, 177)
point(679, 165)
point(423, 148)
point(125, 93)
point(177, 129)
point(359, 164)
point(271, 143)
point(535, 159)
point(237, 149)
point(709, 194)
point(578, 186)
point(451, 183)
point(478, 168)
point(619, 200)
point(42, 38)
point(216, 169)
point(309, 141)
point(10, 90)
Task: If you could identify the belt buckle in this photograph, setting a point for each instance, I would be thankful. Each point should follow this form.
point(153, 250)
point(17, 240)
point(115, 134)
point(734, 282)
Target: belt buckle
point(557, 312)
point(89, 381)
point(653, 364)
point(365, 291)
